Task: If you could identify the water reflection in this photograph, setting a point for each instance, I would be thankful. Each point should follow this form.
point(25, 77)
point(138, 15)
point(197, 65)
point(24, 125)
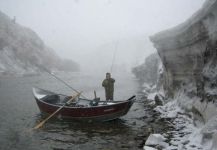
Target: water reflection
point(64, 134)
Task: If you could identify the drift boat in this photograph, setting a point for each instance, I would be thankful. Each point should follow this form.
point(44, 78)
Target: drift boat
point(81, 109)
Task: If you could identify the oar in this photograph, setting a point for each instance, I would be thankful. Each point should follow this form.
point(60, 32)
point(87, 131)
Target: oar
point(43, 122)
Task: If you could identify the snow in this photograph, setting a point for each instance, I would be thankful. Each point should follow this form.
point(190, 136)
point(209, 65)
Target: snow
point(151, 96)
point(190, 132)
point(210, 127)
point(156, 139)
point(151, 92)
point(170, 110)
point(149, 148)
point(185, 135)
point(146, 86)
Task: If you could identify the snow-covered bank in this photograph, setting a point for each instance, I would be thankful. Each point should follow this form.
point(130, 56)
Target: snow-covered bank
point(187, 134)
point(194, 120)
point(189, 56)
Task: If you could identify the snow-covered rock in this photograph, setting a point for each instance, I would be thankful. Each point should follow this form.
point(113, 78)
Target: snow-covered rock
point(151, 96)
point(185, 135)
point(188, 53)
point(189, 79)
point(189, 57)
point(156, 139)
point(148, 148)
point(22, 51)
point(186, 50)
point(210, 128)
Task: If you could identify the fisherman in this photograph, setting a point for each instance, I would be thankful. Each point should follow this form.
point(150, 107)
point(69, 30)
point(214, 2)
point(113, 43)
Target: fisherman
point(108, 84)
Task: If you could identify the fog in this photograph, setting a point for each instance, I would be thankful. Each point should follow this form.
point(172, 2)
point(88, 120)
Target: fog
point(91, 31)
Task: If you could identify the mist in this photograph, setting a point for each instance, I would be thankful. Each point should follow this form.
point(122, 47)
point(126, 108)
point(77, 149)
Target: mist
point(89, 32)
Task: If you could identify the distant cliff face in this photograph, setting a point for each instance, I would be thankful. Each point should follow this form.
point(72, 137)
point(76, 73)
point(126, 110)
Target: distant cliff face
point(22, 51)
point(148, 72)
point(188, 52)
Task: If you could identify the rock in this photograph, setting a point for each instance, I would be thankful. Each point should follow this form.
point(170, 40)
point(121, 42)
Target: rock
point(158, 101)
point(151, 96)
point(188, 51)
point(149, 148)
point(150, 130)
point(134, 123)
point(185, 142)
point(209, 132)
point(210, 127)
point(156, 139)
point(214, 144)
point(189, 56)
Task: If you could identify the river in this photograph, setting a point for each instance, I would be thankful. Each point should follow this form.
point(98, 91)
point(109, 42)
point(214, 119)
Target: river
point(19, 114)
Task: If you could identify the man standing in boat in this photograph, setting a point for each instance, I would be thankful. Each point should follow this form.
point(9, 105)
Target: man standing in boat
point(108, 84)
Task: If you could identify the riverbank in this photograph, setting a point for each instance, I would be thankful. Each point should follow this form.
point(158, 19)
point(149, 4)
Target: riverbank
point(188, 130)
point(189, 79)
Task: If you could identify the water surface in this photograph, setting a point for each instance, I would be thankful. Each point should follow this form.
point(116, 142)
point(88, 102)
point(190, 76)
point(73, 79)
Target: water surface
point(19, 114)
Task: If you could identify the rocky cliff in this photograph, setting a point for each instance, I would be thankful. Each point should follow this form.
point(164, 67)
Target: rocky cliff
point(189, 56)
point(188, 50)
point(22, 51)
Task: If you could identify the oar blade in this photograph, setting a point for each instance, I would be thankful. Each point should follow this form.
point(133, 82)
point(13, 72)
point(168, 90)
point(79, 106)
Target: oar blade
point(39, 125)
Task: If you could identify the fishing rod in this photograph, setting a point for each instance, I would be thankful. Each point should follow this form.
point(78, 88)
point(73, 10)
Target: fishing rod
point(46, 70)
point(113, 59)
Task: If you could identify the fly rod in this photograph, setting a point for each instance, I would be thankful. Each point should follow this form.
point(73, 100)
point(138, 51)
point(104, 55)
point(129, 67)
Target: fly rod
point(113, 59)
point(46, 70)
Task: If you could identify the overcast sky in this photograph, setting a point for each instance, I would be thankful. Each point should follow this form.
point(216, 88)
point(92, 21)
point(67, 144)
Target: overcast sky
point(75, 27)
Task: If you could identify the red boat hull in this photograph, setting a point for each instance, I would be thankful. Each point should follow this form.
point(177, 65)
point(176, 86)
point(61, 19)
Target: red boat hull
point(96, 113)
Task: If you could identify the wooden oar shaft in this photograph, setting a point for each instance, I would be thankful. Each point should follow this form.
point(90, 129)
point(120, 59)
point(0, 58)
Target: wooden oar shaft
point(45, 120)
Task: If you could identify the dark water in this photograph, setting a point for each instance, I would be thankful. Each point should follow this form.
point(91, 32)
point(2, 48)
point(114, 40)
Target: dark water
point(19, 114)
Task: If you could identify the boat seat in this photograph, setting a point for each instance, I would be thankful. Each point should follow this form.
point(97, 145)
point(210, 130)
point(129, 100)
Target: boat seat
point(66, 99)
point(52, 99)
point(94, 102)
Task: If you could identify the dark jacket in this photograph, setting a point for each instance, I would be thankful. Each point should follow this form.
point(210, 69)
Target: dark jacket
point(108, 84)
